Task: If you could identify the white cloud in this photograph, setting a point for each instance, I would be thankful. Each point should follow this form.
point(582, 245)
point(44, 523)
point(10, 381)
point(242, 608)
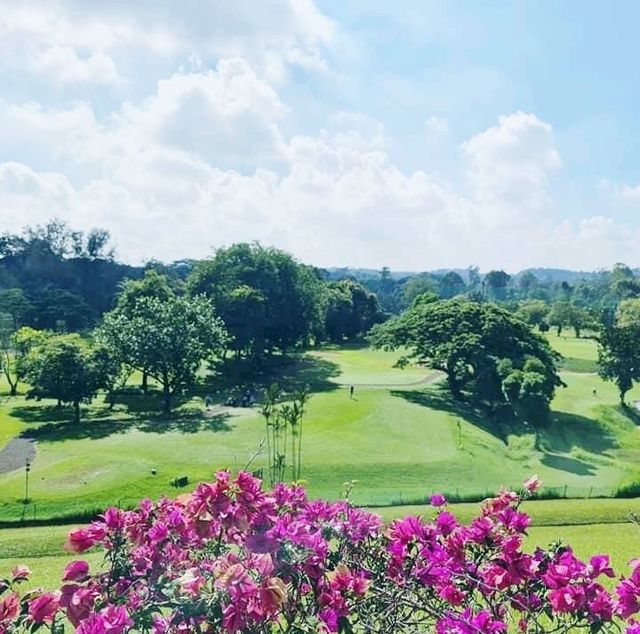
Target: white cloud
point(510, 163)
point(207, 157)
point(72, 41)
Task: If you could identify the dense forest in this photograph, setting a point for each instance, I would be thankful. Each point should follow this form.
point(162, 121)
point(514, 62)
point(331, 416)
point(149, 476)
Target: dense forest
point(53, 277)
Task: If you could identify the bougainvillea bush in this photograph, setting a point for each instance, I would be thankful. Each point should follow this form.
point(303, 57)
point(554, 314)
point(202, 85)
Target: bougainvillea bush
point(232, 557)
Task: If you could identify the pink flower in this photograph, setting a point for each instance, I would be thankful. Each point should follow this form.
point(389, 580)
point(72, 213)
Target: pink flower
point(82, 539)
point(438, 500)
point(21, 572)
point(44, 608)
point(532, 484)
point(9, 608)
point(77, 570)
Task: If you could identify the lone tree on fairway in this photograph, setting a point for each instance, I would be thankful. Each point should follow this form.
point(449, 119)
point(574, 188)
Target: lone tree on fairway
point(69, 369)
point(168, 339)
point(619, 355)
point(487, 354)
point(152, 284)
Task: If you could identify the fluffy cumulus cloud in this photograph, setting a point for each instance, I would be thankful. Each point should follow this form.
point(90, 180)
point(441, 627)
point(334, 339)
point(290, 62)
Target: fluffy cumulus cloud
point(205, 151)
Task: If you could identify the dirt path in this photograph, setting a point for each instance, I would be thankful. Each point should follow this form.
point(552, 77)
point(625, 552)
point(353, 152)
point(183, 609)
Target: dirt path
point(15, 454)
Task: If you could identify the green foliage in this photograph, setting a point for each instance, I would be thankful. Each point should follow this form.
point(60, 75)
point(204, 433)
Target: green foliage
point(265, 298)
point(167, 339)
point(533, 312)
point(283, 422)
point(451, 284)
point(483, 350)
point(350, 310)
point(565, 314)
point(69, 369)
point(619, 355)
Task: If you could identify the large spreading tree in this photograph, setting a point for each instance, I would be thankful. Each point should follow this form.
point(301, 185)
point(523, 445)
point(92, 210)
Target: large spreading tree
point(169, 339)
point(265, 298)
point(486, 353)
point(69, 369)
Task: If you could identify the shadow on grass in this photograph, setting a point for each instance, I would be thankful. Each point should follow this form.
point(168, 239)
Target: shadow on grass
point(439, 398)
point(563, 433)
point(290, 372)
point(566, 431)
point(565, 463)
point(186, 421)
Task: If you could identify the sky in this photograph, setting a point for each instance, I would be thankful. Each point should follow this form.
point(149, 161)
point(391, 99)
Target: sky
point(411, 134)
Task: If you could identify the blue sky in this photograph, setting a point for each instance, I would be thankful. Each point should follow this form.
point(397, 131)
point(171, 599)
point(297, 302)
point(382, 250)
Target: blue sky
point(411, 134)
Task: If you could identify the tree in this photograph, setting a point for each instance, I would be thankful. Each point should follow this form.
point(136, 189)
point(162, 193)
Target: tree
point(350, 310)
point(167, 339)
point(527, 282)
point(559, 316)
point(70, 369)
point(565, 313)
point(628, 312)
point(14, 302)
point(285, 297)
point(152, 284)
point(619, 356)
point(496, 282)
point(416, 285)
point(483, 350)
point(533, 311)
point(451, 285)
point(15, 347)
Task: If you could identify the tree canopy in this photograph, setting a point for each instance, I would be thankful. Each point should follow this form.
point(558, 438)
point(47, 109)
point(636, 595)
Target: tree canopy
point(486, 353)
point(168, 339)
point(266, 299)
point(69, 368)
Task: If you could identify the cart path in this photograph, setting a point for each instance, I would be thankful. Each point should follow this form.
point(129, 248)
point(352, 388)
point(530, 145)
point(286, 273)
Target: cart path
point(16, 453)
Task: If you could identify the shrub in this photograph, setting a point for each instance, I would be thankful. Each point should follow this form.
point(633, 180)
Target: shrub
point(232, 557)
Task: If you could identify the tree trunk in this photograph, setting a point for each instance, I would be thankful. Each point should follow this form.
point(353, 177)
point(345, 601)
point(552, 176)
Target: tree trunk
point(454, 386)
point(76, 411)
point(145, 382)
point(166, 397)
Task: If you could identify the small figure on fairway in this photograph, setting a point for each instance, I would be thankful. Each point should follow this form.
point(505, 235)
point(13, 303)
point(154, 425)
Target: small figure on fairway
point(351, 388)
point(207, 402)
point(594, 391)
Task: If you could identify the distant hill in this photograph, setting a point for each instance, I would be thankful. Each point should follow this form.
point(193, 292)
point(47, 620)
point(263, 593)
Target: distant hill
point(559, 275)
point(340, 273)
point(543, 274)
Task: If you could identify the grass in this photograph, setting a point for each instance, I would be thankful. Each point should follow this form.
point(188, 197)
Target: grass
point(401, 437)
point(580, 354)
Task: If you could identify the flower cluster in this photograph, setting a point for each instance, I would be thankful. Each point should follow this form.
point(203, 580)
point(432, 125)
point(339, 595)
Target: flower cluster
point(232, 557)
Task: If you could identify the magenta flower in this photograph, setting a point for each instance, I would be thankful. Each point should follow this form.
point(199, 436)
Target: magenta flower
point(44, 608)
point(77, 570)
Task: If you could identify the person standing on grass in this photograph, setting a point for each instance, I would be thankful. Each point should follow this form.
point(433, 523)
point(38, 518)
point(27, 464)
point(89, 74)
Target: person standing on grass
point(351, 388)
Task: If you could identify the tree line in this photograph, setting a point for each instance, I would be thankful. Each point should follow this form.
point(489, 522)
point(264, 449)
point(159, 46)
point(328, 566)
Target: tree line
point(249, 302)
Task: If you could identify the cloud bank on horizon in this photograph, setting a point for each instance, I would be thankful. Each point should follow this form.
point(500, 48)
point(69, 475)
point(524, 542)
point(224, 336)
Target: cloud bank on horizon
point(342, 133)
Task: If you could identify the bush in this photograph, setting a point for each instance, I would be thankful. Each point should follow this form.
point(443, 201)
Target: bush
point(232, 557)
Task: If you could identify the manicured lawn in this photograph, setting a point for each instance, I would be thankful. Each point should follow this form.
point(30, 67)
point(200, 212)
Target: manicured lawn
point(580, 354)
point(401, 437)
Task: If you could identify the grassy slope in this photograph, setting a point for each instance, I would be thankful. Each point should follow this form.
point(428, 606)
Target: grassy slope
point(398, 438)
